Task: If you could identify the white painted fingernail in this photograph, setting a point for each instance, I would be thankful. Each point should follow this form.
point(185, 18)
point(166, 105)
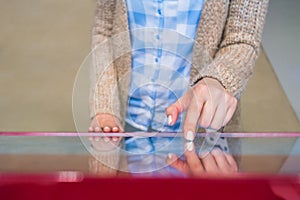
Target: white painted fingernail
point(170, 156)
point(115, 128)
point(97, 129)
point(90, 128)
point(170, 120)
point(115, 139)
point(190, 146)
point(190, 135)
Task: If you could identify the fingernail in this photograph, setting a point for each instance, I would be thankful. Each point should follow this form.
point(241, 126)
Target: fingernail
point(170, 120)
point(106, 139)
point(97, 129)
point(203, 154)
point(210, 130)
point(170, 158)
point(115, 139)
point(216, 152)
point(190, 135)
point(91, 129)
point(115, 129)
point(189, 146)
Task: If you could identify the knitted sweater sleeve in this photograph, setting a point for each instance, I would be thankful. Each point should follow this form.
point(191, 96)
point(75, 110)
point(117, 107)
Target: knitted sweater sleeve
point(103, 75)
point(104, 164)
point(233, 62)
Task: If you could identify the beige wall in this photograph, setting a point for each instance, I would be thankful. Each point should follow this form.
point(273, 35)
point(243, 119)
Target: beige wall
point(42, 45)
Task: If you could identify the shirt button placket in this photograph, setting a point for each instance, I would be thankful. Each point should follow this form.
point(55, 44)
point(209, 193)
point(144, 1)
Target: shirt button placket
point(160, 29)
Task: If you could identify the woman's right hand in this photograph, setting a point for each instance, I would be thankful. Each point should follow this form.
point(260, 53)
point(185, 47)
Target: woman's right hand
point(105, 123)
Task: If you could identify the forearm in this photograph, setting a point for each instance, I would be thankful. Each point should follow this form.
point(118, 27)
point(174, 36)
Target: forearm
point(103, 85)
point(104, 97)
point(232, 65)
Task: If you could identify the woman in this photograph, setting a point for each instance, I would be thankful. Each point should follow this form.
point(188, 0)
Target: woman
point(226, 35)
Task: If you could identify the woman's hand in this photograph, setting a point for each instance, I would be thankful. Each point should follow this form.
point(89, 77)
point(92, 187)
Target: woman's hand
point(207, 104)
point(215, 162)
point(105, 123)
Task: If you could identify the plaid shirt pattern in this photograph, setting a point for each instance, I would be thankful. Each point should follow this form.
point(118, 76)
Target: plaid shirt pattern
point(162, 37)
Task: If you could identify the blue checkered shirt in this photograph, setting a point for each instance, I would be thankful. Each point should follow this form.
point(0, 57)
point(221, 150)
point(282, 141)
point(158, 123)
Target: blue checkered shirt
point(162, 37)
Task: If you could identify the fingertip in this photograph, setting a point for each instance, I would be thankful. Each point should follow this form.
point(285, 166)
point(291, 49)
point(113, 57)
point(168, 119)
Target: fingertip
point(216, 152)
point(170, 120)
point(115, 129)
point(115, 139)
point(106, 129)
point(189, 135)
point(232, 162)
point(189, 146)
point(203, 154)
point(214, 127)
point(171, 158)
point(97, 129)
point(172, 115)
point(91, 129)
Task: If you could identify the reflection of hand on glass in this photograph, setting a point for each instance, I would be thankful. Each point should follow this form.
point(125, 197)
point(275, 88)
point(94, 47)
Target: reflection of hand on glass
point(215, 162)
point(97, 167)
point(104, 144)
point(105, 123)
point(105, 157)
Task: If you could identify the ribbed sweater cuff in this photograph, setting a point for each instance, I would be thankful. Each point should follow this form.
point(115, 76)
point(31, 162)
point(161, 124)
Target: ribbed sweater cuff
point(232, 67)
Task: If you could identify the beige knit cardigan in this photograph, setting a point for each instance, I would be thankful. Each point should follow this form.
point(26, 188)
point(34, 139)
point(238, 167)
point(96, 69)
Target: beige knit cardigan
point(230, 31)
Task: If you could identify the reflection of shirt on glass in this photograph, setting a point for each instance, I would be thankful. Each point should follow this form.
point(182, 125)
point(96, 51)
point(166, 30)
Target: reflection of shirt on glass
point(162, 34)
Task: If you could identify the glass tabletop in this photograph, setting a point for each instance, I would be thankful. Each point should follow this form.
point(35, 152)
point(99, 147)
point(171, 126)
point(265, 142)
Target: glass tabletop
point(71, 155)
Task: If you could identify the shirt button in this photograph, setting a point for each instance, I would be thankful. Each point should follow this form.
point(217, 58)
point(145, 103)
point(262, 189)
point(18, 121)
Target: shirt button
point(159, 11)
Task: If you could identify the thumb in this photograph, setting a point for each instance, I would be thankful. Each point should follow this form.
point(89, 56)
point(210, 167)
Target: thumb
point(177, 108)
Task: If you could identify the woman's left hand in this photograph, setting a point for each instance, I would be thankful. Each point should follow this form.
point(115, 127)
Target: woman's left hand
point(207, 104)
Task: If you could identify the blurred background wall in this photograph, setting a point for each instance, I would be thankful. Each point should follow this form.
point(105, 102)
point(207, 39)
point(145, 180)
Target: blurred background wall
point(43, 44)
point(282, 45)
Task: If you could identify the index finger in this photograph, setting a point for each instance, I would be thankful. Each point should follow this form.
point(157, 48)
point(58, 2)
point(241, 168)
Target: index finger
point(193, 160)
point(191, 118)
